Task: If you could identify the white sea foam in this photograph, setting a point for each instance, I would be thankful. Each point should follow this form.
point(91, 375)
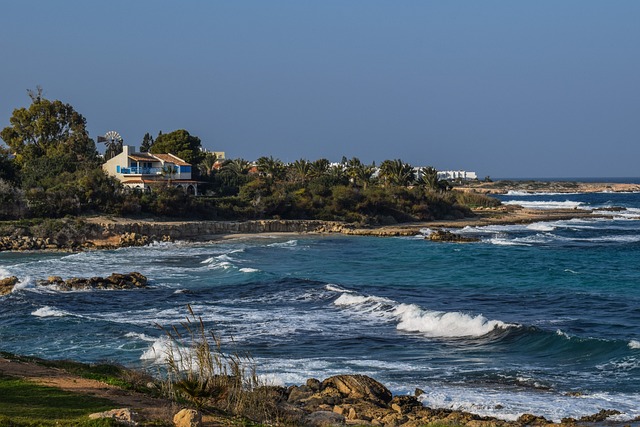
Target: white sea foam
point(412, 318)
point(159, 351)
point(541, 226)
point(47, 311)
point(539, 204)
point(140, 336)
point(287, 244)
point(249, 270)
point(634, 344)
point(507, 242)
point(336, 288)
point(509, 405)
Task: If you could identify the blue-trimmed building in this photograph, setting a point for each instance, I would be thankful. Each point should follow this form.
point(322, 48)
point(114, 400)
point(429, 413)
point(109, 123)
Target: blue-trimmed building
point(144, 171)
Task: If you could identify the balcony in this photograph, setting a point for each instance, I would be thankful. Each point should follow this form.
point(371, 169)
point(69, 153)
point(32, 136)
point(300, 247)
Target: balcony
point(142, 170)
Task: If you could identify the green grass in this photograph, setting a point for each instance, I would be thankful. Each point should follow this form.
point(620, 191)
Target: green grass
point(107, 373)
point(23, 403)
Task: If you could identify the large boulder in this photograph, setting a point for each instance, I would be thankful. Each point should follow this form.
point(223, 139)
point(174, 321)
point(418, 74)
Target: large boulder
point(359, 387)
point(7, 284)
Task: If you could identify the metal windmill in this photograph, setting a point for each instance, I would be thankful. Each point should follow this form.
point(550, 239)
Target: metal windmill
point(113, 141)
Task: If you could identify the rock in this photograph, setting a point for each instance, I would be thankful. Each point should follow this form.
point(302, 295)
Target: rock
point(600, 416)
point(187, 418)
point(405, 404)
point(298, 394)
point(314, 384)
point(123, 416)
point(115, 281)
point(324, 418)
point(448, 236)
point(418, 392)
point(359, 387)
point(7, 284)
point(528, 419)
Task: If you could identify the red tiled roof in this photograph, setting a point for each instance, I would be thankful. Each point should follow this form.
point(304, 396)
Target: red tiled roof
point(141, 157)
point(171, 159)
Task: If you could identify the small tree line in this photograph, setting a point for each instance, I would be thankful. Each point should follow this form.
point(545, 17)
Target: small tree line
point(52, 168)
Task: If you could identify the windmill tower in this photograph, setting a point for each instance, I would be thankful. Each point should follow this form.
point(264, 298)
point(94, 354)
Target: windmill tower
point(113, 141)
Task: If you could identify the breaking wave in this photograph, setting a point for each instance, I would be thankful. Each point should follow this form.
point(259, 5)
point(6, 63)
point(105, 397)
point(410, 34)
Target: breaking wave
point(412, 318)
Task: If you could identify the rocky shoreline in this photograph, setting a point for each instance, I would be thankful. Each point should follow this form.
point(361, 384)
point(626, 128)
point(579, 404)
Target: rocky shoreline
point(110, 233)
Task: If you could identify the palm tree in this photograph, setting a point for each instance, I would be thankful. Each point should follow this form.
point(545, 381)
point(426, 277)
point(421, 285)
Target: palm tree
point(237, 167)
point(359, 172)
point(206, 166)
point(319, 167)
point(300, 170)
point(270, 167)
point(396, 172)
point(169, 171)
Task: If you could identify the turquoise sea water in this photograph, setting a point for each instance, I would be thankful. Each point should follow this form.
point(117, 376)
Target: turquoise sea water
point(541, 318)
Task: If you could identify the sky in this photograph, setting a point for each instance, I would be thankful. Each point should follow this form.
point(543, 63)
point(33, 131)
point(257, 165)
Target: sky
point(541, 88)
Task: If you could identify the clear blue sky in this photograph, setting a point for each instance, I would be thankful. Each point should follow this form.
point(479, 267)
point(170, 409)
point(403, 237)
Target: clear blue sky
point(541, 88)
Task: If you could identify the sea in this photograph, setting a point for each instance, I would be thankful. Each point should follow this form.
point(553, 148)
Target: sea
point(542, 318)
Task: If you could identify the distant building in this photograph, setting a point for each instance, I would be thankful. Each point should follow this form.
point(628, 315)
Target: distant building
point(457, 175)
point(144, 171)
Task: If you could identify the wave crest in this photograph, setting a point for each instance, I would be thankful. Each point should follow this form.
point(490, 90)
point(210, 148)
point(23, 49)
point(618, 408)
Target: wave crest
point(412, 318)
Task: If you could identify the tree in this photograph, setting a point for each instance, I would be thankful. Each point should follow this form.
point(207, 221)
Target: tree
point(359, 173)
point(181, 144)
point(270, 167)
point(300, 171)
point(429, 179)
point(319, 168)
point(48, 128)
point(206, 166)
point(396, 172)
point(147, 143)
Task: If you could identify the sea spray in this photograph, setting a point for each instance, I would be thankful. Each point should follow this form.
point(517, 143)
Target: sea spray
point(412, 318)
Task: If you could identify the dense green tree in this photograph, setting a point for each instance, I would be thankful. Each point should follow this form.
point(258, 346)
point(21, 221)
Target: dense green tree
point(359, 174)
point(8, 170)
point(319, 168)
point(429, 179)
point(147, 142)
point(207, 164)
point(300, 171)
point(396, 172)
point(270, 167)
point(48, 128)
point(181, 144)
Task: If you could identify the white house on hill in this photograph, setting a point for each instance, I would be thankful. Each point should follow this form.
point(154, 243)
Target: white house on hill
point(143, 171)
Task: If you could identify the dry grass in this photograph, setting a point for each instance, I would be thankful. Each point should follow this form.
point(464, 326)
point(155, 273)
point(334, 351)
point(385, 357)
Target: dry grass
point(210, 379)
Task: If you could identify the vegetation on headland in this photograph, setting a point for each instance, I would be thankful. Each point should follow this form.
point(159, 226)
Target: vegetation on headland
point(51, 168)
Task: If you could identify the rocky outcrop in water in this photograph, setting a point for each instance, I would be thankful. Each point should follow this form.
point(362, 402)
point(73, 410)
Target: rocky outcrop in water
point(117, 281)
point(448, 236)
point(7, 284)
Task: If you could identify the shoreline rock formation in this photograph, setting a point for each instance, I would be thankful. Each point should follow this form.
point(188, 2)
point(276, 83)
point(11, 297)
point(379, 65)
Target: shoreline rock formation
point(116, 281)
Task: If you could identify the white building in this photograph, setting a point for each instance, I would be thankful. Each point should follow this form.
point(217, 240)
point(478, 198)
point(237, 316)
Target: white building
point(457, 175)
point(143, 171)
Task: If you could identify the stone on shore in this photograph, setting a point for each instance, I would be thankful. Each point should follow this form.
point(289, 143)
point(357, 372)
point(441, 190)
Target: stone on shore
point(358, 387)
